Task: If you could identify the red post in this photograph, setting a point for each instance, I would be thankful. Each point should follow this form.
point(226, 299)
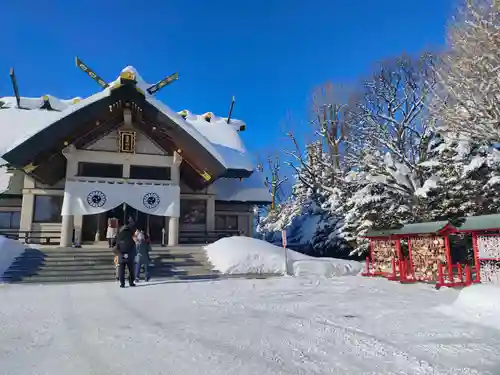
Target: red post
point(440, 274)
point(448, 258)
point(412, 267)
point(475, 249)
point(402, 270)
point(367, 266)
point(372, 247)
point(468, 276)
point(398, 248)
point(460, 274)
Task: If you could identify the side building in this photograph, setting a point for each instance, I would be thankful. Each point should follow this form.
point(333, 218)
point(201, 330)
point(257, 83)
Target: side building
point(69, 165)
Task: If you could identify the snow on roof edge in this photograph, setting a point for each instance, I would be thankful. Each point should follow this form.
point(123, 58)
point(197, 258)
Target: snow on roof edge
point(189, 128)
point(250, 189)
point(225, 144)
point(46, 122)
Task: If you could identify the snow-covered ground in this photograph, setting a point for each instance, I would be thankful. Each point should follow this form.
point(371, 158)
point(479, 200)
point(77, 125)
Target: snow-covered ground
point(478, 304)
point(349, 325)
point(240, 255)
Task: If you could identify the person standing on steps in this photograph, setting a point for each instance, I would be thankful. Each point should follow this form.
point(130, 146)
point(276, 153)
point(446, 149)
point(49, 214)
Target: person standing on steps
point(142, 257)
point(125, 247)
point(112, 231)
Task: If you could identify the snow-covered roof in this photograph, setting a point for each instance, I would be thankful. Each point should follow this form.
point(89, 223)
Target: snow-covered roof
point(251, 189)
point(17, 125)
point(219, 138)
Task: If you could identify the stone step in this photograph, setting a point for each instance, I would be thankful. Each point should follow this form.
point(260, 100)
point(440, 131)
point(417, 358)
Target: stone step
point(79, 252)
point(99, 277)
point(207, 276)
point(24, 264)
point(109, 270)
point(103, 258)
point(74, 280)
point(107, 250)
point(166, 271)
point(49, 265)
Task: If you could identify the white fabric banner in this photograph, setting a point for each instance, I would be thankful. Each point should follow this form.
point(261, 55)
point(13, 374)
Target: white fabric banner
point(89, 198)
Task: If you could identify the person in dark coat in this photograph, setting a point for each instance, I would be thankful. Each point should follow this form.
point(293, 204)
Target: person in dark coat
point(125, 247)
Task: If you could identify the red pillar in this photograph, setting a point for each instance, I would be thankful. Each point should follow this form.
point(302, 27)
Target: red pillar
point(460, 273)
point(372, 246)
point(412, 268)
point(468, 276)
point(440, 274)
point(400, 258)
point(448, 258)
point(475, 249)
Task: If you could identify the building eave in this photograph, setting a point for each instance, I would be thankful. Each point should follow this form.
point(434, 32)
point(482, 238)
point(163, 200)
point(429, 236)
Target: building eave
point(54, 136)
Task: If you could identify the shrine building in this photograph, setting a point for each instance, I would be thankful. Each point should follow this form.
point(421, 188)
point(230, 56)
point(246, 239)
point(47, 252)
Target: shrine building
point(70, 165)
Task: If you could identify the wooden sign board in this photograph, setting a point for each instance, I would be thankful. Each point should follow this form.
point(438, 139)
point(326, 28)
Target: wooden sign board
point(127, 141)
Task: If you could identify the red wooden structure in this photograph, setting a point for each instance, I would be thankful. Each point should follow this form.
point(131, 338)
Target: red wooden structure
point(428, 257)
point(485, 232)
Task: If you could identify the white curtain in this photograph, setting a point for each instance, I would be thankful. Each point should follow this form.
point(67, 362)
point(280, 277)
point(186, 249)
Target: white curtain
point(89, 198)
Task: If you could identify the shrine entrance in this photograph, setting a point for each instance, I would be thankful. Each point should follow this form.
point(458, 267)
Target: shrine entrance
point(151, 224)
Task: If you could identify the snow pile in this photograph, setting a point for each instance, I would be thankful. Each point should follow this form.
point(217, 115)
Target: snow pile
point(9, 251)
point(478, 304)
point(245, 255)
point(325, 267)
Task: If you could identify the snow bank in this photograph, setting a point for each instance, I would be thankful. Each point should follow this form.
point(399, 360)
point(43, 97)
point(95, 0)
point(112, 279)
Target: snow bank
point(9, 251)
point(245, 255)
point(325, 267)
point(478, 304)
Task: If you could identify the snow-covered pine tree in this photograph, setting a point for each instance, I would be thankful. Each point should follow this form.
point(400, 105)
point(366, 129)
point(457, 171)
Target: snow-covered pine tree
point(392, 136)
point(467, 178)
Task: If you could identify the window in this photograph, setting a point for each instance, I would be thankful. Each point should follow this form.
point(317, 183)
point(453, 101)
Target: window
point(100, 170)
point(226, 222)
point(193, 211)
point(140, 172)
point(48, 209)
point(10, 219)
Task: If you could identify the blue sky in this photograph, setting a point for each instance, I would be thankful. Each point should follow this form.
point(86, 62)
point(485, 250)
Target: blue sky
point(269, 53)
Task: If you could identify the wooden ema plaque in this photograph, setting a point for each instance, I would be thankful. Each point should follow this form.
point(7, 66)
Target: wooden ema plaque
point(127, 142)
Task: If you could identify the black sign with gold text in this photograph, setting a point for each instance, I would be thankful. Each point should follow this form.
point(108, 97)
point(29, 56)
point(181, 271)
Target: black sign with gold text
point(127, 141)
point(85, 68)
point(161, 84)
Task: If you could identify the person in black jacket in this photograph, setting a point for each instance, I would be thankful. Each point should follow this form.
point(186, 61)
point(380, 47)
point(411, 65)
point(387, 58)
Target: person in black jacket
point(125, 247)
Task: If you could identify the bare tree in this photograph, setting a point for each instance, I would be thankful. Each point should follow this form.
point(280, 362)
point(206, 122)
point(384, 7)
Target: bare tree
point(392, 116)
point(467, 97)
point(319, 162)
point(274, 181)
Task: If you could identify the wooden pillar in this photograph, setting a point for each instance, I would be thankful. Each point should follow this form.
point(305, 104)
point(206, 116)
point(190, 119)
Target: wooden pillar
point(412, 268)
point(400, 258)
point(448, 258)
point(477, 264)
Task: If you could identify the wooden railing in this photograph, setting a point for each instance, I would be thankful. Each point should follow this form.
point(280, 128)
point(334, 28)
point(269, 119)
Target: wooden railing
point(36, 237)
point(201, 237)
